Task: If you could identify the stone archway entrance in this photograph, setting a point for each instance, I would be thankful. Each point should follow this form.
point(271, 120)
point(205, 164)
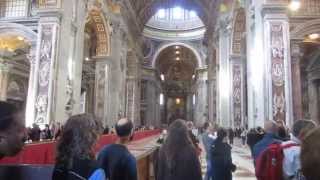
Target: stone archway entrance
point(96, 49)
point(177, 67)
point(17, 71)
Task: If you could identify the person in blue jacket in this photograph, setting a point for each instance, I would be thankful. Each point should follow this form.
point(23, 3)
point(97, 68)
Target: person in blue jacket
point(270, 137)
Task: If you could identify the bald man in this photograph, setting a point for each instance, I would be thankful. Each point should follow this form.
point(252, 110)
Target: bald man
point(116, 160)
point(270, 137)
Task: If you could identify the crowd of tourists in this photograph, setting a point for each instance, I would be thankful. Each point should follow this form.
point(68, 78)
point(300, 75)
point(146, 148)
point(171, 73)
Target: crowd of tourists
point(277, 154)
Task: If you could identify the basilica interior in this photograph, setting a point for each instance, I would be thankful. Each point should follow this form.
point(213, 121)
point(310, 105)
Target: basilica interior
point(237, 63)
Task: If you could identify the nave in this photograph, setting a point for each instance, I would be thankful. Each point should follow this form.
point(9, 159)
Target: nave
point(236, 64)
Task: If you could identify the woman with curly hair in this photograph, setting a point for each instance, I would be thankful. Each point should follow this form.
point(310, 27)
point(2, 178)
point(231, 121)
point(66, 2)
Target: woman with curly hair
point(75, 158)
point(178, 158)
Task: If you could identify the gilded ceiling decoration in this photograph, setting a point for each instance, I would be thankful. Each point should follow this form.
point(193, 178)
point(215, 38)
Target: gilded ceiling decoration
point(11, 43)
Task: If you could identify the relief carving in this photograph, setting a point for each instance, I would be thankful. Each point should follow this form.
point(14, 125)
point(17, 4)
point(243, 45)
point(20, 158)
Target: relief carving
point(237, 95)
point(44, 74)
point(278, 104)
point(277, 70)
point(45, 61)
point(41, 109)
point(70, 100)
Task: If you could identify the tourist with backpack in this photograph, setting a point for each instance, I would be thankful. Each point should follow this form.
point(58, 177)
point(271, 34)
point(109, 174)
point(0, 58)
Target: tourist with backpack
point(291, 150)
point(269, 137)
point(282, 160)
point(268, 154)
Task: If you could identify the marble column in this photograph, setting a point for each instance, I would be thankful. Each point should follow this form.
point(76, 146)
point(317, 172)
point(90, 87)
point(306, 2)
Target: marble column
point(278, 65)
point(101, 89)
point(133, 89)
point(237, 102)
point(268, 63)
point(212, 83)
point(151, 105)
point(313, 100)
point(46, 59)
point(133, 105)
point(4, 77)
point(189, 113)
point(201, 106)
point(224, 79)
point(212, 102)
point(31, 89)
point(296, 56)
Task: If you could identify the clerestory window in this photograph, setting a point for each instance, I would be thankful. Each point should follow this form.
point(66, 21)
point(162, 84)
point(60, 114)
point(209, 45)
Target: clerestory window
point(13, 8)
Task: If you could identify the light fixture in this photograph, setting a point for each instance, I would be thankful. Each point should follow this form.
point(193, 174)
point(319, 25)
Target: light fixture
point(20, 38)
point(177, 47)
point(177, 52)
point(178, 58)
point(178, 101)
point(314, 36)
point(162, 77)
point(294, 5)
point(87, 59)
point(193, 76)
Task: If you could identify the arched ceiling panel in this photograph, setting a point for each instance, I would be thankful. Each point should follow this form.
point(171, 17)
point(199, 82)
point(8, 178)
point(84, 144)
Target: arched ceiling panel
point(206, 9)
point(175, 69)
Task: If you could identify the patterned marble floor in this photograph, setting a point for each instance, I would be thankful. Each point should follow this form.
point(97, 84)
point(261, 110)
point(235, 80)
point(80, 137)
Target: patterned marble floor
point(242, 159)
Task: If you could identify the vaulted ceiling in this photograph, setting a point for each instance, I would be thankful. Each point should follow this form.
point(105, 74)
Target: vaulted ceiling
point(181, 69)
point(207, 10)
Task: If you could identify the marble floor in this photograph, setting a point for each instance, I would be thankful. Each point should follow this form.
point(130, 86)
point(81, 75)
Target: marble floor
point(242, 159)
point(241, 156)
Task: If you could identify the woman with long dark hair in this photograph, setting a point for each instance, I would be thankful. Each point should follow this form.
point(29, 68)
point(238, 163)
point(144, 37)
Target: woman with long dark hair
point(178, 158)
point(75, 158)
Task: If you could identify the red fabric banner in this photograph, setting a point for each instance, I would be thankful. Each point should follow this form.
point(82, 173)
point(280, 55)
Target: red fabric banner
point(44, 152)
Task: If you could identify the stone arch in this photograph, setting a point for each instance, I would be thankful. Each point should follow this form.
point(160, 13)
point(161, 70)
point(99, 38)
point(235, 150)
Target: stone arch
point(304, 29)
point(164, 46)
point(238, 31)
point(20, 30)
point(101, 30)
point(31, 37)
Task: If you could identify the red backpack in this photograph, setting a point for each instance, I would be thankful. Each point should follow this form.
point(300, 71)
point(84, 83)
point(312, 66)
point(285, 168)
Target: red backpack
point(269, 162)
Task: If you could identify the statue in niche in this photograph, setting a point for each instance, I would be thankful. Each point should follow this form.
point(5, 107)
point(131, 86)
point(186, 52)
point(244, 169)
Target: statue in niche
point(13, 89)
point(44, 74)
point(278, 104)
point(70, 100)
point(278, 74)
point(45, 53)
point(41, 109)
